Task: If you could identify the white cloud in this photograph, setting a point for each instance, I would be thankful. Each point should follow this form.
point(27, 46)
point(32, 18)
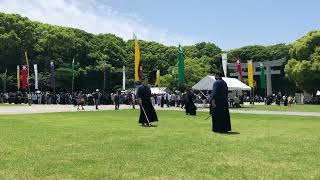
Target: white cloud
point(91, 16)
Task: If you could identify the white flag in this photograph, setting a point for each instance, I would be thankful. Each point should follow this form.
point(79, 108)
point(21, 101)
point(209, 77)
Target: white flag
point(124, 78)
point(224, 63)
point(35, 66)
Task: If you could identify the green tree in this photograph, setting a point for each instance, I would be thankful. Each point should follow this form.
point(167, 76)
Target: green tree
point(259, 53)
point(9, 43)
point(195, 70)
point(6, 82)
point(304, 66)
point(201, 49)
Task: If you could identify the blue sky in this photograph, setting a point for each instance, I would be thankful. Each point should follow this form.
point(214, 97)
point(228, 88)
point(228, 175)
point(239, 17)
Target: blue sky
point(228, 23)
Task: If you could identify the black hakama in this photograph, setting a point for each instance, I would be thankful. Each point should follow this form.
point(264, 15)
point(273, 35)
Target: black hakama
point(220, 114)
point(190, 107)
point(144, 93)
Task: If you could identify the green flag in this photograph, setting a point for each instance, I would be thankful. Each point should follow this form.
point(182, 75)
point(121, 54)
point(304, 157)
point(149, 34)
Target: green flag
point(181, 67)
point(262, 77)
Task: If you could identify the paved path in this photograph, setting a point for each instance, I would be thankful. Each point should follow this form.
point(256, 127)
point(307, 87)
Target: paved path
point(287, 113)
point(69, 108)
point(25, 109)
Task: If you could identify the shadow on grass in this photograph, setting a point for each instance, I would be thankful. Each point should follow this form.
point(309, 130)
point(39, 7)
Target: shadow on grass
point(149, 126)
point(228, 133)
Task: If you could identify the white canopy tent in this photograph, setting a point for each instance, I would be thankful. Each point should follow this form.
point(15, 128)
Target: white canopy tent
point(159, 90)
point(233, 84)
point(154, 90)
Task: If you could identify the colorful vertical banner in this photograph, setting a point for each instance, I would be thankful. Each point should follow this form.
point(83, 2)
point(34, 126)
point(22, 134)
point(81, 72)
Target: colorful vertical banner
point(262, 77)
point(224, 63)
point(181, 79)
point(52, 80)
point(24, 77)
point(239, 69)
point(124, 78)
point(28, 68)
point(36, 83)
point(250, 74)
point(158, 78)
point(28, 78)
point(18, 77)
point(136, 58)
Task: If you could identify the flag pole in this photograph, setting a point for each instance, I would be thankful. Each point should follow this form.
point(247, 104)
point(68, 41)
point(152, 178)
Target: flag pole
point(18, 77)
point(253, 96)
point(72, 84)
point(123, 88)
point(104, 79)
point(52, 78)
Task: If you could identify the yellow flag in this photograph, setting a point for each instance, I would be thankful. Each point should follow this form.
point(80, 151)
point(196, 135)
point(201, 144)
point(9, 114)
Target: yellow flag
point(18, 77)
point(136, 58)
point(250, 75)
point(158, 78)
point(25, 53)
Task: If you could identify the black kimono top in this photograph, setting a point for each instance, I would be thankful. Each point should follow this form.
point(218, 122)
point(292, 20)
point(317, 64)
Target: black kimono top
point(219, 91)
point(144, 92)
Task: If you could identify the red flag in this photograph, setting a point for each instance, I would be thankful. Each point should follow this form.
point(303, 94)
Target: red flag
point(24, 77)
point(239, 69)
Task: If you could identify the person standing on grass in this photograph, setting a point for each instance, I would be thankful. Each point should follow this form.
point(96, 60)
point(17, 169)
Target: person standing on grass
point(220, 108)
point(117, 100)
point(290, 101)
point(147, 112)
point(285, 100)
point(97, 98)
point(153, 102)
point(80, 101)
point(173, 100)
point(183, 99)
point(178, 99)
point(112, 98)
point(203, 99)
point(159, 100)
point(190, 107)
point(129, 98)
point(133, 97)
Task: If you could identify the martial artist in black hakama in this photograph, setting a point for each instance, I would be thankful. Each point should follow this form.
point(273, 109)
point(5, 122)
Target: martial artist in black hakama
point(144, 97)
point(189, 104)
point(220, 108)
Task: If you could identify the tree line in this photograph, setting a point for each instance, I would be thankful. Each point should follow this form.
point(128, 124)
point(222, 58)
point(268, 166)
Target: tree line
point(97, 55)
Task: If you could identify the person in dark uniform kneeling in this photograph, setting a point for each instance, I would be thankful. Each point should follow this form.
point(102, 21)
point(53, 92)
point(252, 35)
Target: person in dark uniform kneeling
point(147, 112)
point(220, 108)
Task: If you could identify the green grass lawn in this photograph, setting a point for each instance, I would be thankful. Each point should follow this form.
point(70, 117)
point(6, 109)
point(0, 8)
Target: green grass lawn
point(13, 104)
point(111, 145)
point(299, 108)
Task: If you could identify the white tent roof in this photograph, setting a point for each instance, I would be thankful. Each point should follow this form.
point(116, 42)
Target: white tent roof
point(318, 93)
point(160, 90)
point(233, 84)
